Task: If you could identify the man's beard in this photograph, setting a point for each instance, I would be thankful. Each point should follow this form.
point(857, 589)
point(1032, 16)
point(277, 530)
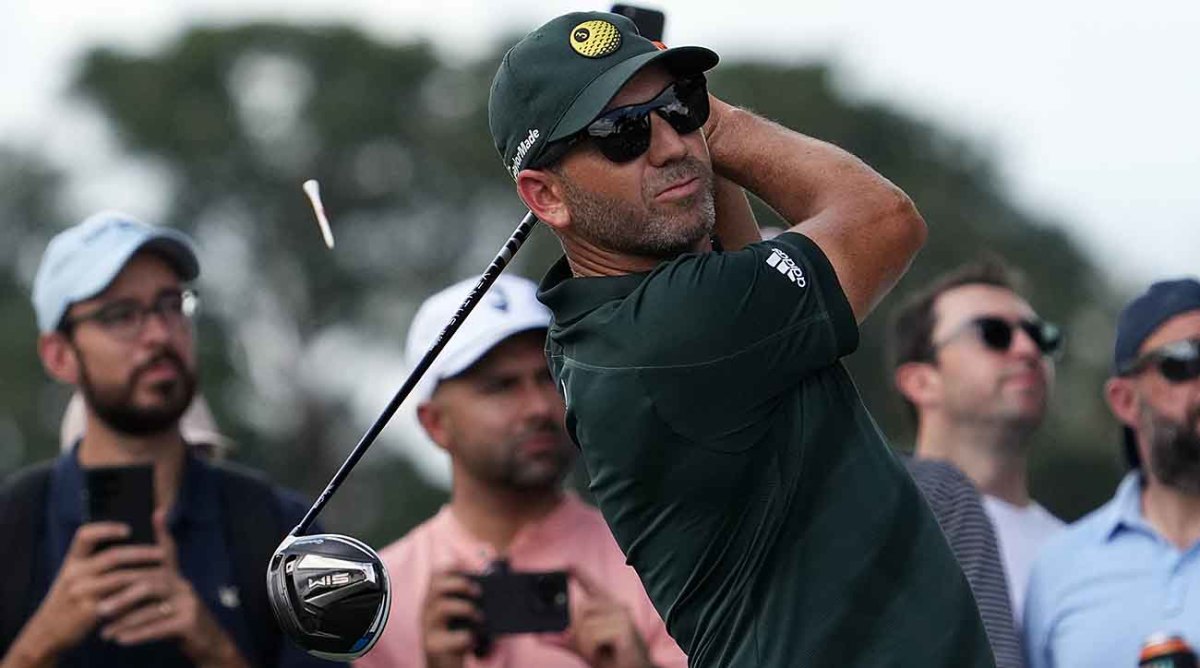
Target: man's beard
point(1174, 449)
point(663, 232)
point(114, 405)
point(514, 471)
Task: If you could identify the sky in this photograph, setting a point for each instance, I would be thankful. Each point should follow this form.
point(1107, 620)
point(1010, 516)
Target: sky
point(1090, 108)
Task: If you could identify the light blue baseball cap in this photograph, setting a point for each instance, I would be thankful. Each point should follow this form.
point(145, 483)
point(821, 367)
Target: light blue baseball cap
point(81, 261)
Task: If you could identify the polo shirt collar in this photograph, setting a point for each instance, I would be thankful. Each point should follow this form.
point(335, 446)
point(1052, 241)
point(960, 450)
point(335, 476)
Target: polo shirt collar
point(571, 298)
point(198, 499)
point(1125, 509)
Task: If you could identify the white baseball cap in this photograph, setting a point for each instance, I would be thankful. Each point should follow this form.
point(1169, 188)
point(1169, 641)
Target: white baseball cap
point(509, 307)
point(81, 261)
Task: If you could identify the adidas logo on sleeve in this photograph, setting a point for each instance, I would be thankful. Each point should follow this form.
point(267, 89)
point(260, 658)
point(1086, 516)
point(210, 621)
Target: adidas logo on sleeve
point(784, 265)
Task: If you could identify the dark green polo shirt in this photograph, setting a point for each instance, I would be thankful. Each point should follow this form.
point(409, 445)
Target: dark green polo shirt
point(740, 472)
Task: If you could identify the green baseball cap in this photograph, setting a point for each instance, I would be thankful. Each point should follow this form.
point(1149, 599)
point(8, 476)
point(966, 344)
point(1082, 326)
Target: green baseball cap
point(561, 76)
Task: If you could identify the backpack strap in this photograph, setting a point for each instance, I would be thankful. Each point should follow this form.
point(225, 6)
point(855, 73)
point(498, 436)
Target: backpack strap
point(22, 524)
point(254, 527)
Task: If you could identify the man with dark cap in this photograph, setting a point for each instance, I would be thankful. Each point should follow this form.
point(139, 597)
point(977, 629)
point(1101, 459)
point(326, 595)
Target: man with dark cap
point(1132, 568)
point(727, 447)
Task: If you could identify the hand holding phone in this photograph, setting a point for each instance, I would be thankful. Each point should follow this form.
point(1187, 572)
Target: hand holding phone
point(602, 631)
point(464, 612)
point(523, 602)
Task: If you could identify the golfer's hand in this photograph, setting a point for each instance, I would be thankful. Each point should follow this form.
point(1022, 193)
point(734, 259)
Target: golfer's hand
point(449, 599)
point(72, 607)
point(602, 631)
point(718, 110)
point(162, 605)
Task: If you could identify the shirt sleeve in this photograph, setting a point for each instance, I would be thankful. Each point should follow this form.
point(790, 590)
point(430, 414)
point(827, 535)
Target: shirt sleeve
point(722, 335)
point(959, 512)
point(780, 294)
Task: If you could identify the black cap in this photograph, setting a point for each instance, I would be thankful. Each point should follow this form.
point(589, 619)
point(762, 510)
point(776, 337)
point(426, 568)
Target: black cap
point(1138, 320)
point(561, 76)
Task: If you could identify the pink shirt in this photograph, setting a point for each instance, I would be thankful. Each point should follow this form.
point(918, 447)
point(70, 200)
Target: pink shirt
point(573, 535)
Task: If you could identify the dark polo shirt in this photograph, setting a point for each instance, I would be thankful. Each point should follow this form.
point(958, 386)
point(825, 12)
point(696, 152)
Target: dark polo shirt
point(741, 474)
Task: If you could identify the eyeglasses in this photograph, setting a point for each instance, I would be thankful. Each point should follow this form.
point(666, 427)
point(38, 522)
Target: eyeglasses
point(125, 319)
point(1178, 362)
point(998, 334)
point(623, 134)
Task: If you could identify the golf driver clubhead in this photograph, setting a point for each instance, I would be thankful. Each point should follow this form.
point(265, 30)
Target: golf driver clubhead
point(330, 594)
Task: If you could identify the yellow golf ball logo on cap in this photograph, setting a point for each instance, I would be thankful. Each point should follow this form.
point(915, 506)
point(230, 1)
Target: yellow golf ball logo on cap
point(595, 39)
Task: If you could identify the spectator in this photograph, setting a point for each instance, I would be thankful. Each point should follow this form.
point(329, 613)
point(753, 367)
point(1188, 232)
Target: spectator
point(975, 365)
point(1132, 567)
point(489, 401)
point(114, 315)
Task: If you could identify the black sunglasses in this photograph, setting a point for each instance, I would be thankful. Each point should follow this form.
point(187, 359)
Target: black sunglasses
point(1178, 362)
point(623, 134)
point(997, 334)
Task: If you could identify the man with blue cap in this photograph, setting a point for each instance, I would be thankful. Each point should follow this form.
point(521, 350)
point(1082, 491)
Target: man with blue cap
point(114, 316)
point(1131, 569)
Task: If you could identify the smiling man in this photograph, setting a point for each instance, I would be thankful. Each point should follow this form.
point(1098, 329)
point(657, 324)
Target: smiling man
point(728, 449)
point(114, 312)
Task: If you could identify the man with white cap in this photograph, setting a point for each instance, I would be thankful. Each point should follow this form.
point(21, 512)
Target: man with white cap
point(489, 401)
point(114, 315)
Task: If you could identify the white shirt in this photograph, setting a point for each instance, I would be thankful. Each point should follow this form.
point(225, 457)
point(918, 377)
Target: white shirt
point(1021, 532)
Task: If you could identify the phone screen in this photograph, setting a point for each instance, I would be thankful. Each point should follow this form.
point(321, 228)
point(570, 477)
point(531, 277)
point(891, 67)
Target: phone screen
point(121, 494)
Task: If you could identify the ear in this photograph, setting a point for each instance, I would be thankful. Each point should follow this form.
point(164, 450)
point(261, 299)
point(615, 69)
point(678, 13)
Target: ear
point(1122, 400)
point(542, 192)
point(59, 358)
point(433, 420)
point(919, 383)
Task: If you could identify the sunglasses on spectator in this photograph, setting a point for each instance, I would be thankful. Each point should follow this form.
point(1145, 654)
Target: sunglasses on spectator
point(997, 334)
point(623, 134)
point(1178, 362)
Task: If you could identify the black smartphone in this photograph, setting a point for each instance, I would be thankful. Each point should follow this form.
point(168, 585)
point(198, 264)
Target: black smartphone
point(121, 494)
point(649, 22)
point(523, 602)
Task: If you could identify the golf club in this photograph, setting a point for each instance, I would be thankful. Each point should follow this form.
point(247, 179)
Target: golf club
point(330, 593)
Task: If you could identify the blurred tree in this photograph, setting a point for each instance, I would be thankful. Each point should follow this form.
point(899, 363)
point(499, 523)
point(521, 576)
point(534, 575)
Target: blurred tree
point(307, 340)
point(30, 405)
